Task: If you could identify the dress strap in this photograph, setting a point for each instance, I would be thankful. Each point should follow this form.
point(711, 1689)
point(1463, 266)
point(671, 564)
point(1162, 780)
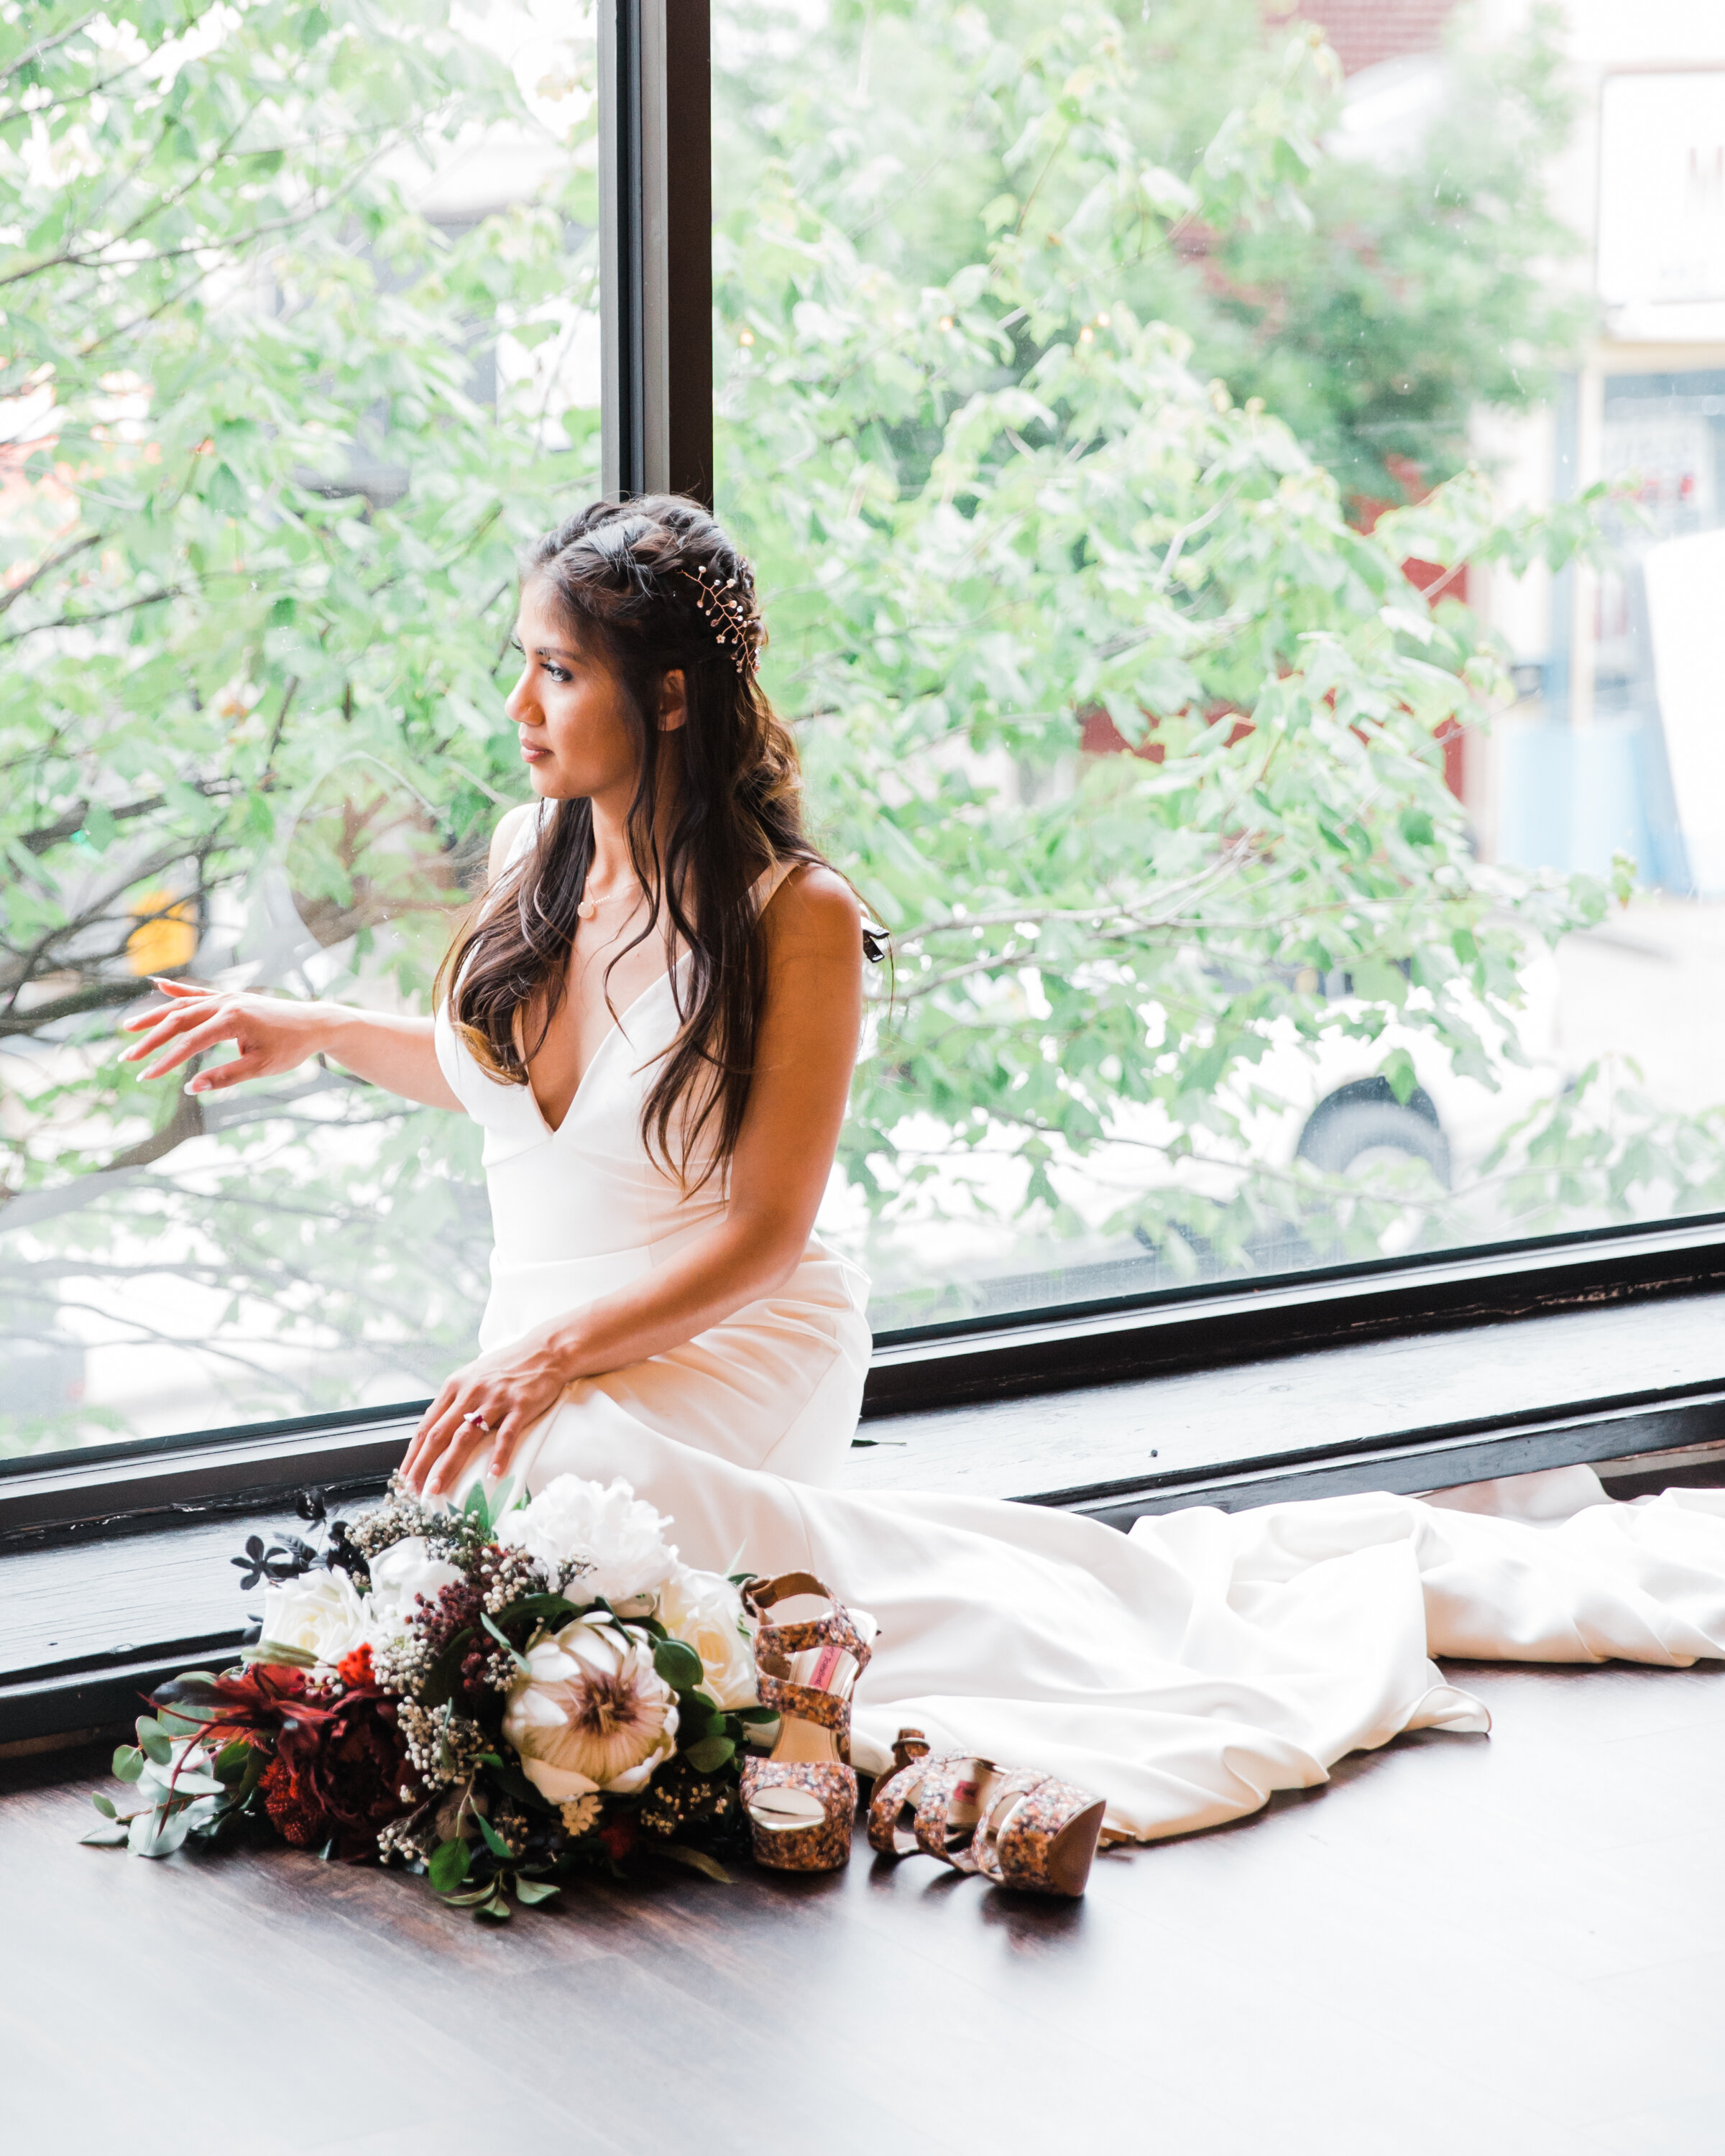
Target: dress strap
point(765, 887)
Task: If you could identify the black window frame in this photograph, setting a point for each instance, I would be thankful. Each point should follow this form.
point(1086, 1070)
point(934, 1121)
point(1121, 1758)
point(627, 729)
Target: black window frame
point(656, 286)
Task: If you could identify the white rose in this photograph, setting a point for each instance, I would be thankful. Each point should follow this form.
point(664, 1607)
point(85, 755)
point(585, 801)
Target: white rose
point(619, 1540)
point(705, 1611)
point(400, 1575)
point(320, 1613)
point(590, 1712)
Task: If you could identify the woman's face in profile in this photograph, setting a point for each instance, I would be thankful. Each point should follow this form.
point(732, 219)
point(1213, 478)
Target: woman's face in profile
point(568, 708)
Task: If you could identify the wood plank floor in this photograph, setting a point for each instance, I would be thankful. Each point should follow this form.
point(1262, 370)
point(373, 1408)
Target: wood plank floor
point(1463, 1945)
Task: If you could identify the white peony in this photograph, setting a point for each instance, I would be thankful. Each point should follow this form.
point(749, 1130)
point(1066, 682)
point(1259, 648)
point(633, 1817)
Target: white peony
point(619, 1540)
point(590, 1712)
point(705, 1611)
point(322, 1613)
point(400, 1575)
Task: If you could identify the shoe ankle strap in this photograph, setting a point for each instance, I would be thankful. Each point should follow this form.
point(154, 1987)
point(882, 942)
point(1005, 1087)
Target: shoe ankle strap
point(834, 1630)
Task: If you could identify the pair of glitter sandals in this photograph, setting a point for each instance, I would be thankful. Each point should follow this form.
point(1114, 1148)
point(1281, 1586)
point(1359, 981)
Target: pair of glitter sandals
point(1019, 1829)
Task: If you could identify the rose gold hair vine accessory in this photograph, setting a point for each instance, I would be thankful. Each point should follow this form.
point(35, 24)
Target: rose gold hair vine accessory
point(733, 620)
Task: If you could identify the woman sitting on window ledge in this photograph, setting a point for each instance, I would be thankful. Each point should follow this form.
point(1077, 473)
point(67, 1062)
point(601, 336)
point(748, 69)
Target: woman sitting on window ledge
point(654, 1014)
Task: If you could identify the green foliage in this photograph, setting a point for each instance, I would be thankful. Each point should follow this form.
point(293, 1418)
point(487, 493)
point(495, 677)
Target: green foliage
point(972, 432)
point(259, 558)
point(1048, 398)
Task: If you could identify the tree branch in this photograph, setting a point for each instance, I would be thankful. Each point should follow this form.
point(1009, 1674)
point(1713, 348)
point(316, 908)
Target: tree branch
point(10, 598)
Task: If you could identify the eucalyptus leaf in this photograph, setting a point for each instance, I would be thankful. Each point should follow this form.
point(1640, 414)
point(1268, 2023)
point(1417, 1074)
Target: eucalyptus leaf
point(152, 1834)
point(497, 1909)
point(534, 1891)
point(128, 1762)
point(678, 1664)
point(193, 1783)
point(112, 1836)
point(154, 1741)
point(447, 1865)
point(104, 1805)
point(712, 1752)
point(493, 1840)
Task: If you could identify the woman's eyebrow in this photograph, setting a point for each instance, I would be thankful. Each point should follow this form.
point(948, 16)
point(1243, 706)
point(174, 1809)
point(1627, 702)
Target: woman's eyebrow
point(554, 651)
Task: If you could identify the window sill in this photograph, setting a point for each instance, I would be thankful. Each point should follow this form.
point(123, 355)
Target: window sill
point(103, 1606)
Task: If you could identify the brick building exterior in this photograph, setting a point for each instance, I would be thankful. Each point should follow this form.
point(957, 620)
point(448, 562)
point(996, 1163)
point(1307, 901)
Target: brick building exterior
point(1364, 32)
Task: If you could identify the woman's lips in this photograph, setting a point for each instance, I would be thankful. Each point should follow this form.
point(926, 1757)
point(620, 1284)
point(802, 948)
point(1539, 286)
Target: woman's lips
point(533, 751)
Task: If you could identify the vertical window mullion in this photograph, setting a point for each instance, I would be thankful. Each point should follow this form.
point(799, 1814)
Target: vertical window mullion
point(655, 137)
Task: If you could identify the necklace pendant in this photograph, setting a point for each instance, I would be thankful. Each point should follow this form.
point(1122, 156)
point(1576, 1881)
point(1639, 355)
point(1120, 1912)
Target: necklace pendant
point(587, 909)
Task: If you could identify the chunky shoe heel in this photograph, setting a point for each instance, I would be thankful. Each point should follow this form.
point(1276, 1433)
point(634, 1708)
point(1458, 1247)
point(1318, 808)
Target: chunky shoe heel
point(801, 1802)
point(1026, 1831)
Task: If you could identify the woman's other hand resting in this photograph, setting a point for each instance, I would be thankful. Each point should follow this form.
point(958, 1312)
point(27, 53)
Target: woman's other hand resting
point(804, 1052)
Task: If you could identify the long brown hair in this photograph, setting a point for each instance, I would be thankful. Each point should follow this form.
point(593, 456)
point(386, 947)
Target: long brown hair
point(635, 579)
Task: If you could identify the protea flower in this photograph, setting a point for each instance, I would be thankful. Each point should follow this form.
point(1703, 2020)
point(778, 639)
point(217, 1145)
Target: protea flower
point(590, 1712)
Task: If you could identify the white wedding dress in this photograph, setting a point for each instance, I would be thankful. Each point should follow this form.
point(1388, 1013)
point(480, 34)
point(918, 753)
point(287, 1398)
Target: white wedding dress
point(1184, 1671)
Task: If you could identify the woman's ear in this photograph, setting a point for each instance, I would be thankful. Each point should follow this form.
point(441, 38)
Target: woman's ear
point(673, 702)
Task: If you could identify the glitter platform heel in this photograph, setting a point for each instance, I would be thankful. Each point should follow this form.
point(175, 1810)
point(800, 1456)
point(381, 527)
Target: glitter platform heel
point(1017, 1827)
point(801, 1802)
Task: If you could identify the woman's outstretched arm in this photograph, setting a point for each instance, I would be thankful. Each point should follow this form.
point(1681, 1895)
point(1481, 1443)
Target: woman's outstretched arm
point(274, 1033)
point(805, 1051)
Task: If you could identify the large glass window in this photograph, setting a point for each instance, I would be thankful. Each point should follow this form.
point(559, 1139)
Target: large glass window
point(300, 343)
point(1237, 502)
point(1247, 588)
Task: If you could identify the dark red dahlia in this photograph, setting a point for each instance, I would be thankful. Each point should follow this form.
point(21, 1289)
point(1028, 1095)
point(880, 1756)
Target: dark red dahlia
point(349, 1767)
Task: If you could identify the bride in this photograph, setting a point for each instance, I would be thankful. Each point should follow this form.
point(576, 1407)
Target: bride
point(652, 1013)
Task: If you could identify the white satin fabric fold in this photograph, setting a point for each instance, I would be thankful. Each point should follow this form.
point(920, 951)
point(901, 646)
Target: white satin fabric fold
point(1184, 1671)
point(1187, 1669)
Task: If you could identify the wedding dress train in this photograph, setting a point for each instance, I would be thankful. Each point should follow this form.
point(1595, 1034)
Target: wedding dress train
point(1184, 1671)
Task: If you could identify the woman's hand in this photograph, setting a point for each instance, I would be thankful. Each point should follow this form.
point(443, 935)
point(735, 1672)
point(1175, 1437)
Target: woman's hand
point(274, 1034)
point(271, 1033)
point(489, 1406)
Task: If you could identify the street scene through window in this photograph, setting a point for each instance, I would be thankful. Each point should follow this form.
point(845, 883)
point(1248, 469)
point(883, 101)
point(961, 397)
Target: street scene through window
point(1238, 502)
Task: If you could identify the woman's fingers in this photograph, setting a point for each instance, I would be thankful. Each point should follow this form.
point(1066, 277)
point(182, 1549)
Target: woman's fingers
point(466, 1442)
point(178, 992)
point(506, 1444)
point(221, 1027)
point(418, 1453)
point(453, 1445)
point(164, 1026)
point(234, 1072)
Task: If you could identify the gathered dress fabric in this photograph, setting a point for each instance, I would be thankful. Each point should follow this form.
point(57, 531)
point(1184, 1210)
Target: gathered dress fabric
point(1184, 1671)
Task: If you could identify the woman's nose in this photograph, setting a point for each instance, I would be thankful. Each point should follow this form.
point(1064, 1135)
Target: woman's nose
point(519, 702)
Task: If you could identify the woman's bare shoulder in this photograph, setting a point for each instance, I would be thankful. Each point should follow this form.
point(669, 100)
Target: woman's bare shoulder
point(814, 909)
point(508, 830)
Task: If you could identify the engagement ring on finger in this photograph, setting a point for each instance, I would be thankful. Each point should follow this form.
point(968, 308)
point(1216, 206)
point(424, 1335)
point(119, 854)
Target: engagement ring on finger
point(478, 1421)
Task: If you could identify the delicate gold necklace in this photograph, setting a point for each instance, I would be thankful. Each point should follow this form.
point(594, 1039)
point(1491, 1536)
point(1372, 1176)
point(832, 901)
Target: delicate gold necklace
point(589, 906)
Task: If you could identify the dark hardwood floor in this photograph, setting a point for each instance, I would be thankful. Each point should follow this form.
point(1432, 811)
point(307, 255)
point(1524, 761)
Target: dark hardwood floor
point(1462, 1945)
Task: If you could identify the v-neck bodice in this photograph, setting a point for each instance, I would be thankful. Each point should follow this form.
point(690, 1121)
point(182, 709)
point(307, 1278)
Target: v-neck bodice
point(583, 1209)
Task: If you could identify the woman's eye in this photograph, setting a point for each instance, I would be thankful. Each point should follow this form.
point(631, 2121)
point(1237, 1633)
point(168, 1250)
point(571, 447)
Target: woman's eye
point(558, 672)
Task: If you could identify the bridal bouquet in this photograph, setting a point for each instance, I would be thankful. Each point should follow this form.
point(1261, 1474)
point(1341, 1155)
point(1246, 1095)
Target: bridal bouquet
point(498, 1697)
